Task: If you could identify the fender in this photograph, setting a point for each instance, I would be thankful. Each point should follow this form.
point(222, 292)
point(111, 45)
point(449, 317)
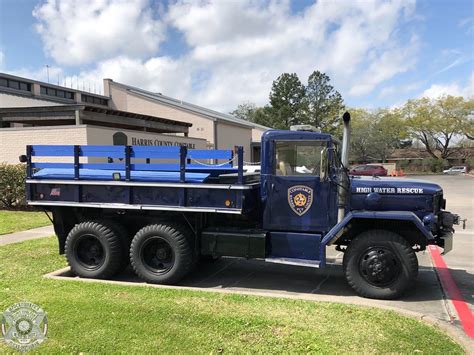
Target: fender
point(336, 232)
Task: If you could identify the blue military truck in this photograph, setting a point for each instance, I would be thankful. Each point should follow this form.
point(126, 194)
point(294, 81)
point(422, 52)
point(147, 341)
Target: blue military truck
point(161, 209)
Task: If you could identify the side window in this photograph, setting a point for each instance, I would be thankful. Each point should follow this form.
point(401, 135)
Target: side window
point(296, 158)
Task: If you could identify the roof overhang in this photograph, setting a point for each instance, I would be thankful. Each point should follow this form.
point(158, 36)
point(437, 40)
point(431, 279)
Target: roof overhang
point(70, 114)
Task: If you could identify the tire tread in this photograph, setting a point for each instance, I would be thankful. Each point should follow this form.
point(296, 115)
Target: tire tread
point(372, 238)
point(183, 247)
point(112, 240)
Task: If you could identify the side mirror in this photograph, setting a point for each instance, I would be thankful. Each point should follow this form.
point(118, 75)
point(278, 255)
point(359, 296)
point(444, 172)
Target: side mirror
point(23, 158)
point(324, 167)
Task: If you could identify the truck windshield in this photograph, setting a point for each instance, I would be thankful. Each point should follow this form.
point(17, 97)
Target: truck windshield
point(295, 158)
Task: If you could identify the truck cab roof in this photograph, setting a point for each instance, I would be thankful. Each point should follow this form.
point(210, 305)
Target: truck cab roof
point(275, 134)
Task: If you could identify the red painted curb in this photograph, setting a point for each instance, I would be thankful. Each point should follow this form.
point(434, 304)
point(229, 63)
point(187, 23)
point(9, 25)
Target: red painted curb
point(452, 291)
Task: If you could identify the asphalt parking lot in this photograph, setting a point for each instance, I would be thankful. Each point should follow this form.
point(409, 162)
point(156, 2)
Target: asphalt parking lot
point(329, 284)
point(459, 194)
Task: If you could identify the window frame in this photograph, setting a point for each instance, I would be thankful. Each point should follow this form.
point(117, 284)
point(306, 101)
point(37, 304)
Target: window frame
point(323, 144)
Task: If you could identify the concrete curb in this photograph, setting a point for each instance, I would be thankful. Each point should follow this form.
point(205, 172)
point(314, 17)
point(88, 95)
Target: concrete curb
point(456, 334)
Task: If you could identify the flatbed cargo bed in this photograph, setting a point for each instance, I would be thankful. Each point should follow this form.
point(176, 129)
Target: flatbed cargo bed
point(123, 182)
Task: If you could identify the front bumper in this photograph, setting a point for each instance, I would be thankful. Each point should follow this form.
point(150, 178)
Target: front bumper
point(446, 231)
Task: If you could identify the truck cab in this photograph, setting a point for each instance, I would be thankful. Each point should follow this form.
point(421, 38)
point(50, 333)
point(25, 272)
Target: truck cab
point(294, 176)
point(161, 218)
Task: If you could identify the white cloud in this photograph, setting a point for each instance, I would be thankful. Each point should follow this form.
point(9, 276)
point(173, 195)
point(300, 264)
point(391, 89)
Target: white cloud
point(454, 89)
point(153, 74)
point(79, 32)
point(389, 63)
point(396, 90)
point(246, 46)
point(236, 48)
point(2, 60)
point(468, 24)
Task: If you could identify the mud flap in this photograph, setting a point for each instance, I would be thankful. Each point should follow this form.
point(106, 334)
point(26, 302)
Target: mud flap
point(447, 243)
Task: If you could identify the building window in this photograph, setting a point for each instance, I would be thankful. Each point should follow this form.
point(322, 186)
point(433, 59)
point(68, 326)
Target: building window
point(63, 94)
point(94, 100)
point(24, 86)
point(15, 84)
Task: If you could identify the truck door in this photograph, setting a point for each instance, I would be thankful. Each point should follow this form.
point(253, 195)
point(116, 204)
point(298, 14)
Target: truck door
point(298, 198)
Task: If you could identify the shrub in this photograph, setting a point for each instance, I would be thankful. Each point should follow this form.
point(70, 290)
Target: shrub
point(470, 163)
point(417, 165)
point(436, 165)
point(403, 164)
point(12, 185)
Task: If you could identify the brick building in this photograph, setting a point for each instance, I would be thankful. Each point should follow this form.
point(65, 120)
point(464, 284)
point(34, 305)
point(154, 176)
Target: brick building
point(33, 112)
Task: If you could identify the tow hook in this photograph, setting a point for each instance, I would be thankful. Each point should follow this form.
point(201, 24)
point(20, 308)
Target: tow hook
point(457, 220)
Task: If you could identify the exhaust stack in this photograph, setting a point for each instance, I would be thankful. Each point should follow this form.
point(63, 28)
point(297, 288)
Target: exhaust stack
point(343, 189)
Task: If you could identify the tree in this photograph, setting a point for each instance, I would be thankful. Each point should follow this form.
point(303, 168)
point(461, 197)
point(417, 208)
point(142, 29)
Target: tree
point(375, 134)
point(263, 116)
point(420, 116)
point(286, 96)
point(323, 105)
point(245, 111)
point(435, 123)
point(468, 128)
point(386, 132)
point(260, 115)
point(292, 103)
point(360, 149)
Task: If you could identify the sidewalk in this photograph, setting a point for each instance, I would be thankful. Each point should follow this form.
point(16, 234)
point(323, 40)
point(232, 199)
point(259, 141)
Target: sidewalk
point(25, 235)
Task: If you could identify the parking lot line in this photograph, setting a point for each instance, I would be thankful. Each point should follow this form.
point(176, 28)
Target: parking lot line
point(452, 291)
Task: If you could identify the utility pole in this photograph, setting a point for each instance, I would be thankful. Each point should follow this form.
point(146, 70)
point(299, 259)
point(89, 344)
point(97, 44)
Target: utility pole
point(47, 71)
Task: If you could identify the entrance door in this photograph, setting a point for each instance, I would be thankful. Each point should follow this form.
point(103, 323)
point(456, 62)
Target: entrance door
point(298, 200)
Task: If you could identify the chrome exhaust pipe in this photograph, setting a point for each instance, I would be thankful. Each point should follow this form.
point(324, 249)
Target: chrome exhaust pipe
point(343, 178)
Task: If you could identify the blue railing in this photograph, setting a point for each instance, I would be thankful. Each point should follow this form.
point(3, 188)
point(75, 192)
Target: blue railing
point(187, 160)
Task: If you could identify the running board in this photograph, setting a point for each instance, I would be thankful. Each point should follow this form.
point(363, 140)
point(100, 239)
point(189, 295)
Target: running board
point(293, 261)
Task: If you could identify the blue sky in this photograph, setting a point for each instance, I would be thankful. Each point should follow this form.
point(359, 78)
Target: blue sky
point(219, 54)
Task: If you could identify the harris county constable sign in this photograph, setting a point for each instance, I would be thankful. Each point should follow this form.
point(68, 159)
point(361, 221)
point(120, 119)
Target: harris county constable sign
point(120, 138)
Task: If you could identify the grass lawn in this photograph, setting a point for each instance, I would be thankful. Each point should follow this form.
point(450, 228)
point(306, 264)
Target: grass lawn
point(96, 318)
point(15, 221)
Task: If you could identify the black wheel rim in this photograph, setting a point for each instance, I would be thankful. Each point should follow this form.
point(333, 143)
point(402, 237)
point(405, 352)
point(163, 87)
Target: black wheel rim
point(89, 252)
point(379, 266)
point(157, 255)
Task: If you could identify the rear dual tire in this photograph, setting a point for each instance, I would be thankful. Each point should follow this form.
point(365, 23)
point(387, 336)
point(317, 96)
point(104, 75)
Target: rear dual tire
point(162, 253)
point(95, 249)
point(159, 253)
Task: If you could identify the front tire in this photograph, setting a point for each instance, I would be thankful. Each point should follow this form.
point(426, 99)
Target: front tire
point(161, 253)
point(94, 250)
point(380, 264)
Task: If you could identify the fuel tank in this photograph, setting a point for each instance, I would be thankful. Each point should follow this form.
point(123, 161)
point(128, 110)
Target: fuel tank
point(394, 194)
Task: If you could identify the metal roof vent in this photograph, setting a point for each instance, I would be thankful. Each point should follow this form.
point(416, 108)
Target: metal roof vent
point(304, 127)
